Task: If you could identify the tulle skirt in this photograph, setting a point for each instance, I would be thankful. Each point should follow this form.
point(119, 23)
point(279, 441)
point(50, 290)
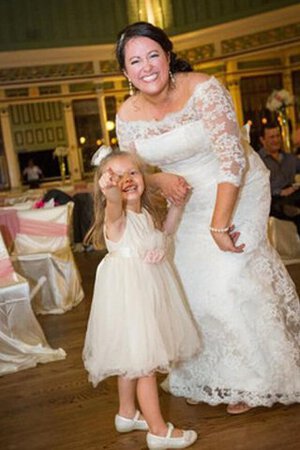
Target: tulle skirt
point(139, 321)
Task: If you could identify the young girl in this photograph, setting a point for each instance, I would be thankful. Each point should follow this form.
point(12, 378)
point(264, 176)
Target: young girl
point(139, 323)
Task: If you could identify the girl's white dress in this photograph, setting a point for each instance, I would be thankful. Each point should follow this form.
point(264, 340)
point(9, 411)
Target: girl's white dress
point(245, 304)
point(139, 320)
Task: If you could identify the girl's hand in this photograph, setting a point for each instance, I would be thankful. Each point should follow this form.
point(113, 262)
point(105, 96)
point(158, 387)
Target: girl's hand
point(108, 180)
point(109, 184)
point(173, 187)
point(227, 241)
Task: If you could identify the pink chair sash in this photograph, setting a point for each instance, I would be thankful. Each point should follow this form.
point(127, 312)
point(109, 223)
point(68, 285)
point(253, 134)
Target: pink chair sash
point(41, 228)
point(6, 267)
point(9, 225)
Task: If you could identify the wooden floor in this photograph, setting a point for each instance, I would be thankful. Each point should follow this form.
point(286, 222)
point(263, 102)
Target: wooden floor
point(53, 407)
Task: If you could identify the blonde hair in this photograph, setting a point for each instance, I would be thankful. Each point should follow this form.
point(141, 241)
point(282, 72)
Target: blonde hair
point(151, 200)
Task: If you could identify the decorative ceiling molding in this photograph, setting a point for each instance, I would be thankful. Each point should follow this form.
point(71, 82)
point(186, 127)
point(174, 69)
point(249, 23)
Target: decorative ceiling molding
point(196, 54)
point(278, 35)
point(109, 67)
point(212, 45)
point(47, 72)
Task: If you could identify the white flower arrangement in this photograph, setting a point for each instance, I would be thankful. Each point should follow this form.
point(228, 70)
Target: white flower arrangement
point(279, 100)
point(61, 151)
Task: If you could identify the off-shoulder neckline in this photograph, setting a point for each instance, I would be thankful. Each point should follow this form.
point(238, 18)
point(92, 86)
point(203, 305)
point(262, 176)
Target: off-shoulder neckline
point(197, 88)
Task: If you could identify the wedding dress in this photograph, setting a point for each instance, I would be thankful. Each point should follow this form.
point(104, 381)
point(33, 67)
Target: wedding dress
point(245, 304)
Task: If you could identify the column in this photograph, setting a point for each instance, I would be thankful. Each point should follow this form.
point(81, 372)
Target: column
point(120, 93)
point(288, 86)
point(10, 154)
point(233, 84)
point(103, 116)
point(119, 100)
point(73, 157)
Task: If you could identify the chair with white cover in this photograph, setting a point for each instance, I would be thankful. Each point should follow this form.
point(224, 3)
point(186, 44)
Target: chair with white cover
point(284, 237)
point(22, 341)
point(42, 248)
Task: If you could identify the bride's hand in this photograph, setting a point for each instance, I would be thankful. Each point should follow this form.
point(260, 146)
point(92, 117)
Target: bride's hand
point(227, 241)
point(173, 187)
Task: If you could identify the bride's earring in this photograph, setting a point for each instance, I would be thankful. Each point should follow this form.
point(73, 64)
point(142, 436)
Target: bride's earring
point(131, 91)
point(172, 78)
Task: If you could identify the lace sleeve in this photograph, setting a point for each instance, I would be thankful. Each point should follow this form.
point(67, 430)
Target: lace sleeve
point(125, 138)
point(216, 109)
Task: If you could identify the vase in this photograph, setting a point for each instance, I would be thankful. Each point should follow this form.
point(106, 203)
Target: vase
point(285, 130)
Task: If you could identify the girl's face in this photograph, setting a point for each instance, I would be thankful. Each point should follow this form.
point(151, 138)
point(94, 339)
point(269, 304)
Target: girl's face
point(146, 65)
point(131, 181)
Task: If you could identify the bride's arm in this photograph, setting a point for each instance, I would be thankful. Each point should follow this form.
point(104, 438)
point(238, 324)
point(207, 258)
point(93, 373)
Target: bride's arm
point(226, 199)
point(219, 118)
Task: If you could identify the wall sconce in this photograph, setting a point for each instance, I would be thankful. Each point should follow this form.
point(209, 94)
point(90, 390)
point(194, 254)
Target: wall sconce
point(82, 140)
point(110, 125)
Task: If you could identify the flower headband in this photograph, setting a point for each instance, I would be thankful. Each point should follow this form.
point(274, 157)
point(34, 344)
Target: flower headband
point(100, 154)
point(122, 37)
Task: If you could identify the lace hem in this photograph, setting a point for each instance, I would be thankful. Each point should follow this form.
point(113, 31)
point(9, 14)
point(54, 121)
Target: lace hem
point(215, 396)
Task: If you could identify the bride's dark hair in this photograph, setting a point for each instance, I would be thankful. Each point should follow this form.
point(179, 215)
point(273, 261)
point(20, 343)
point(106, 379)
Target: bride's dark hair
point(146, 29)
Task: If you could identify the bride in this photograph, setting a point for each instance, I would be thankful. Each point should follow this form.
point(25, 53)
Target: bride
point(239, 291)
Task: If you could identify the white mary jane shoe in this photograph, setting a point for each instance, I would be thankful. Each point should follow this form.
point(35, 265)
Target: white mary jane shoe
point(124, 425)
point(162, 443)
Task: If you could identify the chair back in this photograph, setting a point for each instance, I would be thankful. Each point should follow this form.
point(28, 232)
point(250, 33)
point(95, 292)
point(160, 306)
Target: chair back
point(284, 237)
point(43, 230)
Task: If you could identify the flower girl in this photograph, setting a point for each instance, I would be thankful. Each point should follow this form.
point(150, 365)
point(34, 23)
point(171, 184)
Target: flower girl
point(139, 322)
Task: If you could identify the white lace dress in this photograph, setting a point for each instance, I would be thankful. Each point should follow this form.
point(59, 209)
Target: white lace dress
point(139, 320)
point(245, 304)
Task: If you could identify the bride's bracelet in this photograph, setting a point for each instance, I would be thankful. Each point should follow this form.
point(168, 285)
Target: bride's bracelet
point(219, 230)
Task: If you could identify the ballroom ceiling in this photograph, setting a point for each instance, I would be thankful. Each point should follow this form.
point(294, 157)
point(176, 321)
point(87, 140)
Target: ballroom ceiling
point(32, 24)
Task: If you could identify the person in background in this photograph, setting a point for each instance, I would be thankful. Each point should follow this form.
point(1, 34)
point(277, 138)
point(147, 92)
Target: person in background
point(240, 293)
point(33, 174)
point(139, 322)
point(283, 167)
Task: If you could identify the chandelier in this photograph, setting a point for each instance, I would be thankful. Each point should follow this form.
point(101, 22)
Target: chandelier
point(157, 12)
